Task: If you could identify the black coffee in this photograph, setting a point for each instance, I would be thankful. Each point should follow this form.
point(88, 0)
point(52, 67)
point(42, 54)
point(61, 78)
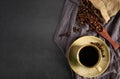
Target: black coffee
point(88, 56)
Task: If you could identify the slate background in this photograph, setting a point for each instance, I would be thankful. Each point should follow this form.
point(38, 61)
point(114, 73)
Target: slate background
point(27, 50)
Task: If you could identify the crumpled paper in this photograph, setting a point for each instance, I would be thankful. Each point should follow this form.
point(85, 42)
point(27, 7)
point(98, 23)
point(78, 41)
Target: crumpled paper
point(108, 8)
point(66, 24)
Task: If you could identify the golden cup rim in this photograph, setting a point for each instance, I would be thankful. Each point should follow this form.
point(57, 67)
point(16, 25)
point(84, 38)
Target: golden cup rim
point(74, 67)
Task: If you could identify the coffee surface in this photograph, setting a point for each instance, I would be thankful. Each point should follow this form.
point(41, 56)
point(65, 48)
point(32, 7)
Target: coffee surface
point(88, 56)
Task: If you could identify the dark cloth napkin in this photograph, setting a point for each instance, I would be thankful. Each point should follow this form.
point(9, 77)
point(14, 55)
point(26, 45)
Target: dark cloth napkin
point(66, 24)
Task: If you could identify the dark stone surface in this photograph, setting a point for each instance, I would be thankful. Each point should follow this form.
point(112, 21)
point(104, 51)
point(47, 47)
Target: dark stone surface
point(27, 50)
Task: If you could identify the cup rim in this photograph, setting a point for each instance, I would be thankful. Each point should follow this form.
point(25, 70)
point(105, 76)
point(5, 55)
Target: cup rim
point(86, 71)
point(99, 54)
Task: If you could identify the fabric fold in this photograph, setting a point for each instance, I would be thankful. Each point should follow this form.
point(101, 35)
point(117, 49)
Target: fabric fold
point(68, 22)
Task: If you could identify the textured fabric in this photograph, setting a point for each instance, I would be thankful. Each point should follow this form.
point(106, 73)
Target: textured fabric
point(68, 21)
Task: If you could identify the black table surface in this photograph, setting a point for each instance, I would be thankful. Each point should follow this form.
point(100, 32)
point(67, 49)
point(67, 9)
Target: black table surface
point(27, 49)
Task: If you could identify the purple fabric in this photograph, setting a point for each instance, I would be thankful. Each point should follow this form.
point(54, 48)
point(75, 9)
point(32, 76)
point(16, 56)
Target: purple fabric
point(68, 21)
